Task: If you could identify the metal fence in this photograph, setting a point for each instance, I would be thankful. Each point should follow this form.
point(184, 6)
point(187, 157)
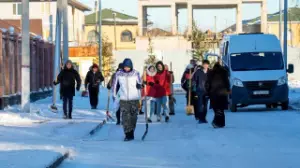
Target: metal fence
point(41, 64)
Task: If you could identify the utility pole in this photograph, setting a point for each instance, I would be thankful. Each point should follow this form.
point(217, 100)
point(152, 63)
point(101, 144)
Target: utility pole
point(215, 38)
point(115, 30)
point(25, 104)
point(285, 40)
point(56, 63)
point(51, 28)
point(96, 19)
point(65, 31)
point(280, 21)
point(100, 35)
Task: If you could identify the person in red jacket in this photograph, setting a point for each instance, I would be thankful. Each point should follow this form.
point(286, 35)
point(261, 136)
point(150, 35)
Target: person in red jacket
point(150, 92)
point(162, 88)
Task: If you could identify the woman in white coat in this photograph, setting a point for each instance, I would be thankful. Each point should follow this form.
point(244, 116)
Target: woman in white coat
point(129, 83)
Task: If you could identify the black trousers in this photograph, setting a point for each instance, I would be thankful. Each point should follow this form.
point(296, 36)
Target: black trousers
point(203, 113)
point(118, 115)
point(171, 105)
point(197, 103)
point(219, 119)
point(68, 105)
point(93, 93)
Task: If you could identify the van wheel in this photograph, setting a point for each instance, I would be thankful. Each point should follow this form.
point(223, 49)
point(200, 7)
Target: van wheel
point(268, 106)
point(285, 106)
point(233, 108)
point(275, 105)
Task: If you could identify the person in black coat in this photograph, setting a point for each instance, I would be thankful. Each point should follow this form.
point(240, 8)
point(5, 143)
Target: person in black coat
point(66, 79)
point(218, 88)
point(199, 98)
point(186, 77)
point(92, 82)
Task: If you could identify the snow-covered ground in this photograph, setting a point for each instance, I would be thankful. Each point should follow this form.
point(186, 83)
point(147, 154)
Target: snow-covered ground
point(253, 137)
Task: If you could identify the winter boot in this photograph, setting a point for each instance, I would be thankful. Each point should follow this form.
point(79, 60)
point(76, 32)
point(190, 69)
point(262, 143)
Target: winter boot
point(132, 135)
point(172, 113)
point(202, 122)
point(167, 119)
point(118, 123)
point(141, 112)
point(128, 136)
point(149, 120)
point(216, 126)
point(65, 116)
point(70, 115)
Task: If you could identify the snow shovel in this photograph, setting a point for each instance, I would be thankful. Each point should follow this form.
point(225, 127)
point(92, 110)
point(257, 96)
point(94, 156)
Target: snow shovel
point(190, 108)
point(172, 100)
point(108, 115)
point(146, 119)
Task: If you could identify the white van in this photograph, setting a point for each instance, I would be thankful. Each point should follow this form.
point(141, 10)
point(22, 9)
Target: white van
point(258, 74)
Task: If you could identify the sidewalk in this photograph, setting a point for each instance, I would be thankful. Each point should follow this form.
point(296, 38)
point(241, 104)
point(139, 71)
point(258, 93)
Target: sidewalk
point(39, 138)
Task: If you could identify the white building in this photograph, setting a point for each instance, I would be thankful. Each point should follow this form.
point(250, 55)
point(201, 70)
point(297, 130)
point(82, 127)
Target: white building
point(43, 10)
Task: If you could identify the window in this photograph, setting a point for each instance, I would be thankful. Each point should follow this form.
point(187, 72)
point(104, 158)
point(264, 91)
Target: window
point(254, 61)
point(17, 9)
point(92, 36)
point(126, 36)
point(45, 8)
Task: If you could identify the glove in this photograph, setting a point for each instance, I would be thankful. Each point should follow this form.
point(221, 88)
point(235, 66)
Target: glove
point(145, 82)
point(78, 88)
point(157, 82)
point(138, 86)
point(150, 83)
point(171, 72)
point(55, 83)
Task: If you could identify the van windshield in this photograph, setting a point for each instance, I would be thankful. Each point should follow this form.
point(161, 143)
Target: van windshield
point(256, 61)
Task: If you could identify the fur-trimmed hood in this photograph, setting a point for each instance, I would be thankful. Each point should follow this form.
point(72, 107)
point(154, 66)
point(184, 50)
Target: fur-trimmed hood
point(152, 74)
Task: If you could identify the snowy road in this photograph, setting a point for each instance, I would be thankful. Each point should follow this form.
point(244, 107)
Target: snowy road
point(253, 138)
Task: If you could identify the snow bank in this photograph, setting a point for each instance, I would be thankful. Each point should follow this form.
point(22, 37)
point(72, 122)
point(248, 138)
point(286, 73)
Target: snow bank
point(14, 119)
point(294, 94)
point(20, 155)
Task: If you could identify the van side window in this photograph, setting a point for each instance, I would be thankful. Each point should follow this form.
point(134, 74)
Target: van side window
point(226, 48)
point(225, 57)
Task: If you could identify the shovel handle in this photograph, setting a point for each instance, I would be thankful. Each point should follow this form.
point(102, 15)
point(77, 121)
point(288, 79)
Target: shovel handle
point(190, 88)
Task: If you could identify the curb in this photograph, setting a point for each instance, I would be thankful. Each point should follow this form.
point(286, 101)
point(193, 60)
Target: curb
point(59, 160)
point(99, 126)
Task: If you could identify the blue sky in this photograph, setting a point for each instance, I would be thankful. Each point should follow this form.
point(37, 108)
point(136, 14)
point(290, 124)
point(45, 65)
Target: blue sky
point(204, 18)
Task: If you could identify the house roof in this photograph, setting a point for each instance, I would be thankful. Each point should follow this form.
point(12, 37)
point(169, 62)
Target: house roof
point(79, 5)
point(293, 15)
point(108, 18)
point(74, 3)
point(36, 29)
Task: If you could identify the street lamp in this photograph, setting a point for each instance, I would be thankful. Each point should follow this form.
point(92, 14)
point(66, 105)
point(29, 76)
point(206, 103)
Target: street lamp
point(285, 46)
point(115, 30)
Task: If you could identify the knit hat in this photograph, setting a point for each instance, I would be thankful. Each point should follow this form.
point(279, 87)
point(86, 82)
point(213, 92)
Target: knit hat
point(95, 66)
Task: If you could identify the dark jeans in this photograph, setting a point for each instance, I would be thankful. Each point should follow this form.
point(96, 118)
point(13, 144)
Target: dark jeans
point(197, 103)
point(118, 115)
point(203, 113)
point(94, 92)
point(68, 102)
point(171, 105)
point(219, 119)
